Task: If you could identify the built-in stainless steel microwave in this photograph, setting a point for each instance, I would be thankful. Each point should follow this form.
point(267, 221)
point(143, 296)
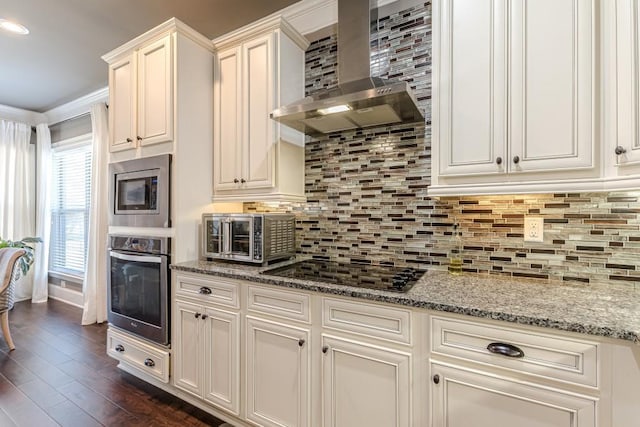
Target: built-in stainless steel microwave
point(255, 238)
point(139, 192)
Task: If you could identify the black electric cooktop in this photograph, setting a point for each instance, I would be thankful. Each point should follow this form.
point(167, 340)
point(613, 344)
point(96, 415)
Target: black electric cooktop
point(394, 279)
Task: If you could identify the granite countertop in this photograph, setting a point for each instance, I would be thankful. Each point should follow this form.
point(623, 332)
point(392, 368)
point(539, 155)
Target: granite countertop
point(595, 309)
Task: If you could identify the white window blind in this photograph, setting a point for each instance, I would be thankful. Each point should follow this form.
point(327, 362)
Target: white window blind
point(70, 197)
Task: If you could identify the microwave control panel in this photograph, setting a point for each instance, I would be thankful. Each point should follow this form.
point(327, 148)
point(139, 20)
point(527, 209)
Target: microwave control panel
point(257, 238)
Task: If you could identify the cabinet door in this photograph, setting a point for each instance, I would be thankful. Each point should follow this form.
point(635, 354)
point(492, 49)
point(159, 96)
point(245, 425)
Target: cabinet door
point(628, 87)
point(464, 398)
point(187, 350)
point(277, 374)
point(221, 357)
point(122, 97)
point(259, 137)
point(228, 120)
point(552, 82)
point(365, 385)
point(471, 112)
point(155, 92)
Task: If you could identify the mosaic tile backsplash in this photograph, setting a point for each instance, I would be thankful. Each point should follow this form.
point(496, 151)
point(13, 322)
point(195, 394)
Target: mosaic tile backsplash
point(366, 191)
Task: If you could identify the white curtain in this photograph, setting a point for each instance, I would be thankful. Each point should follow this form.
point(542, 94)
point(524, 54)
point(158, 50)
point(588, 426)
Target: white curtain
point(94, 286)
point(43, 214)
point(17, 182)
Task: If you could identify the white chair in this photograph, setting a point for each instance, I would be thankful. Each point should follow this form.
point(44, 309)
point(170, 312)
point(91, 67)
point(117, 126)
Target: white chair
point(10, 273)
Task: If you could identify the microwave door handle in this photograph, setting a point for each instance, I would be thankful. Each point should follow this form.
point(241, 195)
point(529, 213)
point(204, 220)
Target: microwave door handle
point(136, 258)
point(227, 237)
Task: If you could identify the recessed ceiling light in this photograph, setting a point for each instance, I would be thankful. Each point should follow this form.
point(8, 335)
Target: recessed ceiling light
point(13, 27)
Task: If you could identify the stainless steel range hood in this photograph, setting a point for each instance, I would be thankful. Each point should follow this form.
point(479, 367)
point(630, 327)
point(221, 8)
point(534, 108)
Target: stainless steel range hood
point(359, 100)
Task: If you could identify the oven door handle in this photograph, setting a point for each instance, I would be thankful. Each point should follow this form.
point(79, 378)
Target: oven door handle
point(136, 258)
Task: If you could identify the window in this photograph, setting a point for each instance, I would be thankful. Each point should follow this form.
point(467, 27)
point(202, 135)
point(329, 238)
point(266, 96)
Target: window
point(70, 198)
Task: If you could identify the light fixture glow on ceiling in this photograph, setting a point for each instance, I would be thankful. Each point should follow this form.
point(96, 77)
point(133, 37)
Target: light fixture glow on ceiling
point(13, 27)
point(334, 109)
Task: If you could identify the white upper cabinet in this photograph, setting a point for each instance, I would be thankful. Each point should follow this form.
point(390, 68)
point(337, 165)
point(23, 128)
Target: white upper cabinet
point(622, 95)
point(122, 99)
point(514, 94)
point(551, 85)
point(472, 88)
point(228, 95)
point(257, 69)
point(257, 73)
point(140, 94)
point(155, 97)
point(160, 94)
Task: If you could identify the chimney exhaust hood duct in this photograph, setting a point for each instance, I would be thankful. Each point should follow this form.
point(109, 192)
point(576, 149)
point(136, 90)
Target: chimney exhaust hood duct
point(359, 100)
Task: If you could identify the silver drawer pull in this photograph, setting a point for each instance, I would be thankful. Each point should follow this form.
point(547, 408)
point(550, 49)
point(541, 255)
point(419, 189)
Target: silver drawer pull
point(149, 362)
point(505, 349)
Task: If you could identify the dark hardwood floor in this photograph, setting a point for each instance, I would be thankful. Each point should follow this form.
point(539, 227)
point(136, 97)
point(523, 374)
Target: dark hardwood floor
point(60, 374)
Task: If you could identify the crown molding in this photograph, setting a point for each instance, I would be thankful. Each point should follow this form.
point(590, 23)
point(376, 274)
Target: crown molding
point(270, 23)
point(308, 16)
point(19, 115)
point(169, 26)
point(303, 17)
point(76, 107)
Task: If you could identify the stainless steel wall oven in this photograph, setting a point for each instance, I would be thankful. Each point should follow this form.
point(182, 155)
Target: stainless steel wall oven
point(138, 286)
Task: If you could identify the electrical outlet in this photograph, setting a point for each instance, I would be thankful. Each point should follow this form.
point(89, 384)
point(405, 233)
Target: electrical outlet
point(533, 229)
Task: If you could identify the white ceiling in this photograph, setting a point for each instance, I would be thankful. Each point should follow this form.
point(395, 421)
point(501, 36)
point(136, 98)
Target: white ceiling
point(59, 60)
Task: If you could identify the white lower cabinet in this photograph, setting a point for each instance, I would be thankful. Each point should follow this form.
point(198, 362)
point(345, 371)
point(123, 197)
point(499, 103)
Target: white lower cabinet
point(365, 385)
point(278, 373)
point(462, 398)
point(207, 354)
point(262, 355)
point(489, 373)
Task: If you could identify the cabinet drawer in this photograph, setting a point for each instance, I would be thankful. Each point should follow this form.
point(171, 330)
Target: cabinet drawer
point(553, 357)
point(216, 290)
point(148, 359)
point(290, 305)
point(367, 319)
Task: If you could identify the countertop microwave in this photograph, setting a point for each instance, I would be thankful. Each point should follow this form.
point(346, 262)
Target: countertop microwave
point(254, 238)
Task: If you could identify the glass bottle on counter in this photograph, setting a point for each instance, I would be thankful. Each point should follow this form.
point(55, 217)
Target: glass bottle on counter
point(455, 256)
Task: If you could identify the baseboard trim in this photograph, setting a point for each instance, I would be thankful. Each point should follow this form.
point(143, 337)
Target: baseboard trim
point(66, 295)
